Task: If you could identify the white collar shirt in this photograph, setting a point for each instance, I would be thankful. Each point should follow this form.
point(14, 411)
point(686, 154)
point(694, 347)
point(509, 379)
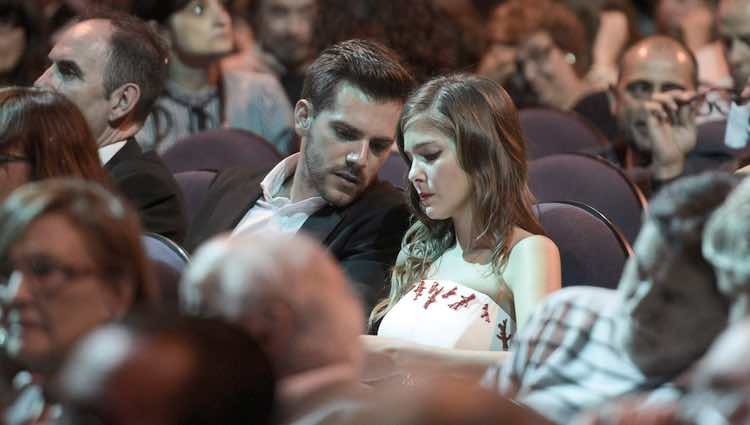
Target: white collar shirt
point(106, 153)
point(274, 212)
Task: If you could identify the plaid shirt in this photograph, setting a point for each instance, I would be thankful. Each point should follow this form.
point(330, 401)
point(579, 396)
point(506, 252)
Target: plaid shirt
point(566, 359)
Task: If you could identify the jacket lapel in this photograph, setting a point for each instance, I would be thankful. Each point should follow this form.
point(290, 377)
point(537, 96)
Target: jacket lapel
point(321, 224)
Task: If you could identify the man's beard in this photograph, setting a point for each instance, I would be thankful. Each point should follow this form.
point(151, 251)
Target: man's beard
point(317, 172)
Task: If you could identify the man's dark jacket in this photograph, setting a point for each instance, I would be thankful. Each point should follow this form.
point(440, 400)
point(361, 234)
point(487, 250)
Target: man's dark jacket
point(364, 236)
point(147, 183)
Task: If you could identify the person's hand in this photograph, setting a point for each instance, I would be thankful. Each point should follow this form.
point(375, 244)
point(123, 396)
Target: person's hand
point(498, 63)
point(671, 129)
point(394, 361)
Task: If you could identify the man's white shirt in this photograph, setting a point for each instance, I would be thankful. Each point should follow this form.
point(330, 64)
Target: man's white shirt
point(106, 153)
point(273, 212)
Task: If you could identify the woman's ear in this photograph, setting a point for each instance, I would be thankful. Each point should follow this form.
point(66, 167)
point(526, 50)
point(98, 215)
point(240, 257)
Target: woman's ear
point(120, 297)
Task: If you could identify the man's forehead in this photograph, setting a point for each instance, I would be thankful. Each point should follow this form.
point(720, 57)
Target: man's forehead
point(658, 64)
point(93, 34)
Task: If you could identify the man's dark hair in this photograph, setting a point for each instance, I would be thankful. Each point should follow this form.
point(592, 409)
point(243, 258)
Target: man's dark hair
point(137, 55)
point(369, 66)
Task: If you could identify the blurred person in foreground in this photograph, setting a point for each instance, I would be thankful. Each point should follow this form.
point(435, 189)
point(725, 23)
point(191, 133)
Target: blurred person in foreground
point(71, 259)
point(291, 296)
point(587, 346)
point(166, 370)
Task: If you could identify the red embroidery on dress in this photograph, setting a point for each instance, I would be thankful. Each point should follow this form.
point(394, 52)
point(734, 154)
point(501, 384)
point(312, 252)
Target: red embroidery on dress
point(486, 313)
point(435, 290)
point(450, 293)
point(420, 289)
point(463, 303)
point(504, 336)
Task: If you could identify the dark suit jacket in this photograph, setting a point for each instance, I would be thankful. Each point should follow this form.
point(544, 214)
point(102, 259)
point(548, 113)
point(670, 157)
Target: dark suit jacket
point(147, 183)
point(364, 236)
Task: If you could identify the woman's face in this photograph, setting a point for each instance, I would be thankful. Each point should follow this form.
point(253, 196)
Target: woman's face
point(53, 293)
point(443, 186)
point(203, 28)
point(12, 44)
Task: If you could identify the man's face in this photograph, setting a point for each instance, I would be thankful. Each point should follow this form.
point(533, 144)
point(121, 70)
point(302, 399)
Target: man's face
point(645, 72)
point(671, 309)
point(344, 146)
point(77, 71)
point(285, 29)
point(734, 30)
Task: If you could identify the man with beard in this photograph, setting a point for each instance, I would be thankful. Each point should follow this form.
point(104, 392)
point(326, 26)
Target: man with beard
point(346, 120)
point(283, 32)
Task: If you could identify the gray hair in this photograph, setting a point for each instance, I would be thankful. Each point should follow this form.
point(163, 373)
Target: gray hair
point(235, 277)
point(726, 239)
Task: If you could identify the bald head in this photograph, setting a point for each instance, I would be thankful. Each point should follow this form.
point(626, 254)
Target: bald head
point(287, 291)
point(660, 54)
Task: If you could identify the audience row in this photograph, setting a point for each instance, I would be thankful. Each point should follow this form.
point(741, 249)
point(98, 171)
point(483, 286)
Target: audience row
point(320, 294)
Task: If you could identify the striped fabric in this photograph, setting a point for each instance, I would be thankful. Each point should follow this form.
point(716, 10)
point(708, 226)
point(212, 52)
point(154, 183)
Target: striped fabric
point(566, 359)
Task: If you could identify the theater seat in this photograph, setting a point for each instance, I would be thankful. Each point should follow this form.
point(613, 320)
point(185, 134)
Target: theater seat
point(593, 181)
point(549, 132)
point(221, 148)
point(592, 251)
point(168, 261)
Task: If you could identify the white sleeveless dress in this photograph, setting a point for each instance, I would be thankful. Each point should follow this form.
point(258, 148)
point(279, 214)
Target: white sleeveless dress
point(443, 313)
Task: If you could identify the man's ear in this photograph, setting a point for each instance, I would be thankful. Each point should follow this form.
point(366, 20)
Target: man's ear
point(123, 100)
point(303, 117)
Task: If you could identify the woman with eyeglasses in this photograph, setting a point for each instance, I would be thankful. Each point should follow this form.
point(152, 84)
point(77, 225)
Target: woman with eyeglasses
point(70, 260)
point(43, 135)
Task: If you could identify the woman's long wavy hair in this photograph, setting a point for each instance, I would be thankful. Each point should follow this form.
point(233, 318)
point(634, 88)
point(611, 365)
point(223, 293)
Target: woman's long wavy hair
point(480, 117)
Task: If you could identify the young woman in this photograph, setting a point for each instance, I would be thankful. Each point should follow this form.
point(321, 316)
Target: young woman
point(475, 262)
point(199, 94)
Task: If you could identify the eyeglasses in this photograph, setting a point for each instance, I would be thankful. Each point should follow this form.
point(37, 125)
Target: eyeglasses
point(714, 101)
point(43, 273)
point(12, 158)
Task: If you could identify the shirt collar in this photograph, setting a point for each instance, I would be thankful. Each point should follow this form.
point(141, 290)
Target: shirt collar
point(274, 180)
point(106, 153)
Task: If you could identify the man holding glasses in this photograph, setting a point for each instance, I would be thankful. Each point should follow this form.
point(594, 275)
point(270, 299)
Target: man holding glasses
point(655, 104)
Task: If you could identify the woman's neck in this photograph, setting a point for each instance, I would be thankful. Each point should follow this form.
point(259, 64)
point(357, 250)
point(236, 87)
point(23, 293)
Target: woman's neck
point(192, 77)
point(466, 237)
